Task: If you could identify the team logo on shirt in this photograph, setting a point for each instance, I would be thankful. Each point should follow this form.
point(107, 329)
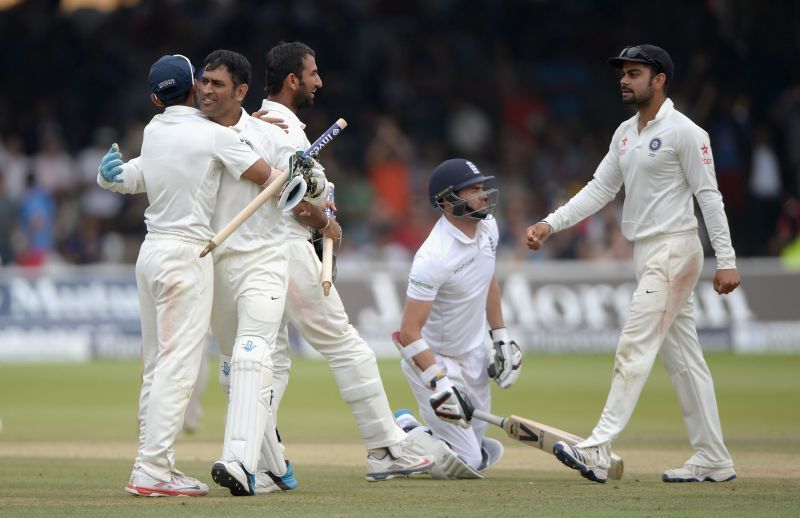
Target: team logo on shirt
point(623, 149)
point(655, 144)
point(242, 139)
point(492, 244)
point(420, 284)
point(706, 159)
point(461, 266)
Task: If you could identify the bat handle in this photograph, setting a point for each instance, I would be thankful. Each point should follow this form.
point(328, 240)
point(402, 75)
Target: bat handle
point(489, 418)
point(209, 247)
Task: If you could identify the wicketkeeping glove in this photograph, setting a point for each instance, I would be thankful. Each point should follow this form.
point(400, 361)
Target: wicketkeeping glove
point(304, 166)
point(505, 358)
point(110, 165)
point(452, 405)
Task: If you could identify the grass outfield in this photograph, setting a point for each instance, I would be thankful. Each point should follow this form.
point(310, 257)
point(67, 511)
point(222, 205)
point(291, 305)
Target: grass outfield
point(69, 435)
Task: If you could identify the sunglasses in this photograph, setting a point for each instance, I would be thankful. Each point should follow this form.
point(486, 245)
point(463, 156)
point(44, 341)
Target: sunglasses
point(636, 52)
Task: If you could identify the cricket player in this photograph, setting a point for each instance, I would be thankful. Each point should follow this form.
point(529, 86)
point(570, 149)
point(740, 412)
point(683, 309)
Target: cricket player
point(452, 293)
point(249, 288)
point(663, 159)
point(292, 79)
point(183, 158)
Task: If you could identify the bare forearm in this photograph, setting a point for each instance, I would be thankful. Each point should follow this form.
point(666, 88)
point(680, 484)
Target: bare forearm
point(494, 306)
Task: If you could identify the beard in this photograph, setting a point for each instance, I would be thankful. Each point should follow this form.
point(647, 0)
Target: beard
point(641, 99)
point(302, 99)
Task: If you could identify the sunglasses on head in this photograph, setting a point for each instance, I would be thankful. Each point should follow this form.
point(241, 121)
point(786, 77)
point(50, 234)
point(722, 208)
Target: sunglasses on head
point(636, 52)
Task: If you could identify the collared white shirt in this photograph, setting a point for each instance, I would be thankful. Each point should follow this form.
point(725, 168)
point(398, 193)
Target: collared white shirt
point(183, 157)
point(298, 138)
point(662, 167)
point(455, 272)
point(264, 227)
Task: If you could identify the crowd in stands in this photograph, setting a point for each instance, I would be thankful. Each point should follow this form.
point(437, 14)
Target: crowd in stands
point(521, 88)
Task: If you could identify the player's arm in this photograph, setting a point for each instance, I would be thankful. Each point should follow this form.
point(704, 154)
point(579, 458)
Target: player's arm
point(694, 153)
point(313, 216)
point(505, 357)
point(448, 402)
point(594, 196)
point(114, 175)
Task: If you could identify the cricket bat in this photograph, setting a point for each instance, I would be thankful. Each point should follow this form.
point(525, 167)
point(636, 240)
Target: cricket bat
point(541, 436)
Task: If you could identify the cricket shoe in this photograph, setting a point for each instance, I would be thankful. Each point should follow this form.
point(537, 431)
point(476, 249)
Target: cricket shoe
point(142, 484)
point(693, 473)
point(586, 460)
point(386, 463)
point(233, 476)
point(268, 482)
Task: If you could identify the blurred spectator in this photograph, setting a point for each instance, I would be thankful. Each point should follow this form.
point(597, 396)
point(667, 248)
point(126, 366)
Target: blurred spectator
point(15, 164)
point(765, 190)
point(8, 221)
point(37, 212)
point(419, 83)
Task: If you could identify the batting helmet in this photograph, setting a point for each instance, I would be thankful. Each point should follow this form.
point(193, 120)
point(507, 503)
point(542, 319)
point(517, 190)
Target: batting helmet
point(451, 176)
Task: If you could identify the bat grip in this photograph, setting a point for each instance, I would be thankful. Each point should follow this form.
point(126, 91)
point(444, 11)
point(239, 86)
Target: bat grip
point(489, 418)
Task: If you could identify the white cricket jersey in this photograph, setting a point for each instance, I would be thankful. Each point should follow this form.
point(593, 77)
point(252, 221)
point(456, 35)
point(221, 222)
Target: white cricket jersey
point(661, 167)
point(264, 227)
point(298, 138)
point(455, 272)
point(183, 157)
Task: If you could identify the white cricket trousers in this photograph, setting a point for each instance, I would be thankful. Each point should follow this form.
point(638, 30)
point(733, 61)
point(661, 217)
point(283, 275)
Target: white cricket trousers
point(468, 373)
point(249, 295)
point(175, 289)
point(661, 321)
point(323, 322)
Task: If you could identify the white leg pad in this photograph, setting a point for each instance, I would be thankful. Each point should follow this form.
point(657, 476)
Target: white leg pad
point(272, 450)
point(448, 465)
point(362, 389)
point(249, 406)
point(225, 375)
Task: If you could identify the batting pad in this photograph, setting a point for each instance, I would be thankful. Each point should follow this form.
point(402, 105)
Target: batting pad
point(361, 387)
point(249, 406)
point(447, 465)
point(225, 375)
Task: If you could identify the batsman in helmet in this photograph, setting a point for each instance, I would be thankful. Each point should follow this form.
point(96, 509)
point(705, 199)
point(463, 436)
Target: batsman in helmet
point(452, 294)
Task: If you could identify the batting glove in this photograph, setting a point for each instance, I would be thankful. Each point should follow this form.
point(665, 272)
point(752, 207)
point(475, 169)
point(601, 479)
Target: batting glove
point(452, 405)
point(110, 165)
point(505, 358)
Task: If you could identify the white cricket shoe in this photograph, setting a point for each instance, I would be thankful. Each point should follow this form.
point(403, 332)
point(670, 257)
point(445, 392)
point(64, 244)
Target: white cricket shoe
point(693, 473)
point(396, 461)
point(233, 476)
point(268, 482)
point(142, 484)
point(586, 460)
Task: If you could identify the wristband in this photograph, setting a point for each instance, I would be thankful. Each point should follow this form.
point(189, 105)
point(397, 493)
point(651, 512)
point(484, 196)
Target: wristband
point(414, 348)
point(552, 230)
point(435, 377)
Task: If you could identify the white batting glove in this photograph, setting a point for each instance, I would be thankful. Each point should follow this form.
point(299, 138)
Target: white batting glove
point(505, 358)
point(453, 406)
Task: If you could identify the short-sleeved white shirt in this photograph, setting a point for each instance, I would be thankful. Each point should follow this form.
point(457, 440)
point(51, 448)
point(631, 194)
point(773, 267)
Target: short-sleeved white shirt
point(455, 272)
point(265, 227)
point(298, 138)
point(183, 158)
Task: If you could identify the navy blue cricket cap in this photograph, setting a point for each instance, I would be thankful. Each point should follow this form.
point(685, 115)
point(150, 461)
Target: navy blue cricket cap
point(171, 77)
point(652, 55)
